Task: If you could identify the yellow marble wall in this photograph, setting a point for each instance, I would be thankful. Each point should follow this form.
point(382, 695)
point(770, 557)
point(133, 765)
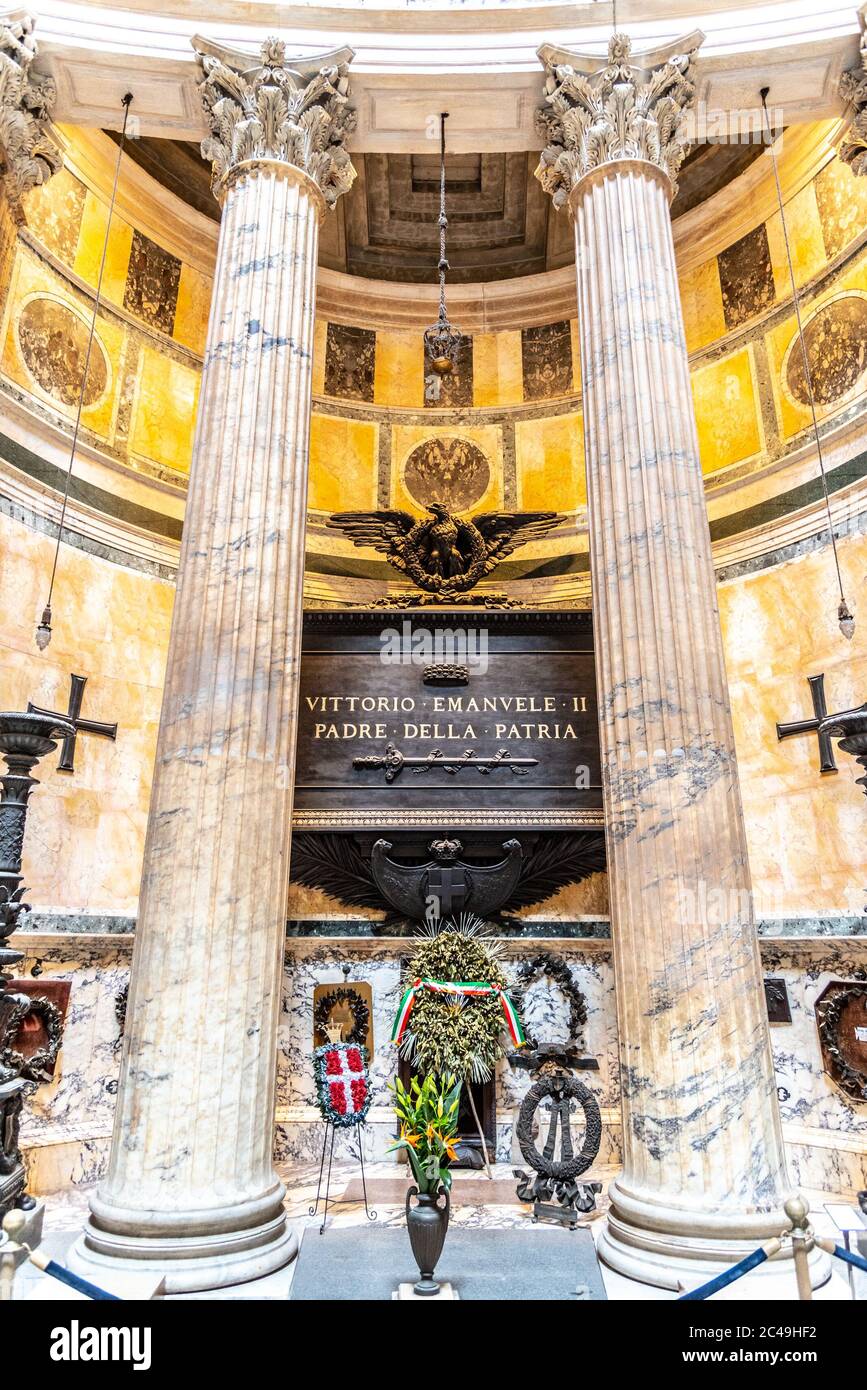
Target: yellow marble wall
point(550, 464)
point(343, 464)
point(805, 831)
point(165, 402)
point(152, 333)
point(85, 831)
point(725, 394)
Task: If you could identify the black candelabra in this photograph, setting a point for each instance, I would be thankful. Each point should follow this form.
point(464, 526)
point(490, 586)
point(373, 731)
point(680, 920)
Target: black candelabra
point(850, 727)
point(24, 739)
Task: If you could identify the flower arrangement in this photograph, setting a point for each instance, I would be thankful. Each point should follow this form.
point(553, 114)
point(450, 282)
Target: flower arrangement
point(455, 1007)
point(452, 1033)
point(428, 1116)
point(342, 1083)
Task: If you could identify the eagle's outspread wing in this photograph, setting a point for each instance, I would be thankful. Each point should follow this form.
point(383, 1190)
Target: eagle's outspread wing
point(504, 532)
point(390, 532)
point(382, 530)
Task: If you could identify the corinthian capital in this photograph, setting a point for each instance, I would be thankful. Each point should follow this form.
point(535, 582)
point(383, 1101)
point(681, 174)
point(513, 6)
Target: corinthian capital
point(853, 88)
point(30, 155)
point(290, 110)
point(596, 112)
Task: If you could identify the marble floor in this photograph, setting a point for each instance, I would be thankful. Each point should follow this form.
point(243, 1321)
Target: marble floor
point(65, 1214)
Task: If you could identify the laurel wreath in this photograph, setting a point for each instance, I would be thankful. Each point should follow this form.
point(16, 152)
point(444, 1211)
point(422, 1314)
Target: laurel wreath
point(357, 1006)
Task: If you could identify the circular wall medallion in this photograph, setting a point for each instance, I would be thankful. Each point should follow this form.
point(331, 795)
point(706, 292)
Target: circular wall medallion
point(448, 470)
point(836, 341)
point(53, 342)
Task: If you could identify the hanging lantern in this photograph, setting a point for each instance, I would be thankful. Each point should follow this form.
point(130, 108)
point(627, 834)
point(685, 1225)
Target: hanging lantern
point(43, 630)
point(845, 616)
point(442, 340)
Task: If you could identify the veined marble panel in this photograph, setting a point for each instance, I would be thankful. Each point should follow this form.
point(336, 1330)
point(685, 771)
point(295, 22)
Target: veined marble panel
point(68, 1124)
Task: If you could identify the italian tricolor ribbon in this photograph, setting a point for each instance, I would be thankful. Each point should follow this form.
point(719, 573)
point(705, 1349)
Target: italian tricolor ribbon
point(469, 988)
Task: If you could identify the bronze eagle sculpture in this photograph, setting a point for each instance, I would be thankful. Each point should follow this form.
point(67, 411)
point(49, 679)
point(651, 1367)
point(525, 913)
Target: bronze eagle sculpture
point(444, 554)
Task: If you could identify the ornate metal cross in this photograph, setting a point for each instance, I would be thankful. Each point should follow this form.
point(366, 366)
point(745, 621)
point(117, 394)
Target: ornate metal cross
point(394, 761)
point(811, 726)
point(80, 726)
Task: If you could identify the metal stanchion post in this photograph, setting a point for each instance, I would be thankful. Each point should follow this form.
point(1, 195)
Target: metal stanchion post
point(802, 1242)
point(14, 1223)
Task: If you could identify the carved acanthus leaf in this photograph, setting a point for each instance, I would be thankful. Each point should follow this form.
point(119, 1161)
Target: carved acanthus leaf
point(618, 111)
point(275, 111)
point(853, 89)
point(30, 155)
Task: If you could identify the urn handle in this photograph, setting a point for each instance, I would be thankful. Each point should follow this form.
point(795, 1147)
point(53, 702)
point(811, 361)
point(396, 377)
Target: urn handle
point(410, 1192)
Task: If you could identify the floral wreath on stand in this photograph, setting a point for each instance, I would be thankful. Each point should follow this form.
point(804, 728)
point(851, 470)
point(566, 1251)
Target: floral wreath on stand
point(342, 1083)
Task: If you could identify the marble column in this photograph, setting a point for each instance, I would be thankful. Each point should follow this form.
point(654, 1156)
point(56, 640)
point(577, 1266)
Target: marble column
point(29, 153)
point(191, 1190)
point(704, 1176)
point(853, 90)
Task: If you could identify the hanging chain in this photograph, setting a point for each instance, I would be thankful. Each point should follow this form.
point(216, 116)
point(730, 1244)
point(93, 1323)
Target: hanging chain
point(444, 221)
point(45, 625)
point(442, 341)
point(843, 613)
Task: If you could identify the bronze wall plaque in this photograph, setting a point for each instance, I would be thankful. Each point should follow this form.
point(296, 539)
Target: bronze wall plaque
point(777, 1000)
point(513, 741)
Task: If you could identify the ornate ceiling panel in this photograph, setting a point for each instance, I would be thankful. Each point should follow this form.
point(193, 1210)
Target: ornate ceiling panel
point(500, 222)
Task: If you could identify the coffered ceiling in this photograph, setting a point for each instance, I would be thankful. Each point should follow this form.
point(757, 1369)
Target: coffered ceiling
point(500, 222)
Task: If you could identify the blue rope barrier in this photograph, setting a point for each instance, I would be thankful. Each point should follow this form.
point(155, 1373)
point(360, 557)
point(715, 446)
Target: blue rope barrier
point(850, 1259)
point(728, 1276)
point(65, 1276)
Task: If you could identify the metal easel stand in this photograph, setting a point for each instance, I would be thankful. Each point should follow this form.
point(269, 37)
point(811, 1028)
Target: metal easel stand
point(311, 1211)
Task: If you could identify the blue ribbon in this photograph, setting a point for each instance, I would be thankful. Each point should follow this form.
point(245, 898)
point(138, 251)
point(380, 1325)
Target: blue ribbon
point(850, 1259)
point(728, 1276)
point(80, 1285)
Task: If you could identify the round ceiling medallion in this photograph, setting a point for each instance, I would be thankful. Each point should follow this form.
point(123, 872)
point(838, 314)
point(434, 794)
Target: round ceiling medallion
point(836, 341)
point(53, 342)
point(448, 470)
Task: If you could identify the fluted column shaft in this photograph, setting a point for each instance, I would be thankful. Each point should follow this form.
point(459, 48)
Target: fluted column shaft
point(191, 1178)
point(701, 1134)
point(191, 1190)
point(704, 1177)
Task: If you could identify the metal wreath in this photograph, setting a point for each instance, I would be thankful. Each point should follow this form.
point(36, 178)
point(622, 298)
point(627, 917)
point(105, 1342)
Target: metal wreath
point(546, 963)
point(564, 1086)
point(33, 1068)
point(852, 1081)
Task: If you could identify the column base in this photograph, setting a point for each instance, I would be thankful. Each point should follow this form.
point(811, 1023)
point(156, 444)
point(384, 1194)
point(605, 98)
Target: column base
point(672, 1248)
point(187, 1264)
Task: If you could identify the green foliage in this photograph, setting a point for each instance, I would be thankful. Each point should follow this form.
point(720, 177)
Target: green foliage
point(428, 1115)
point(447, 1034)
